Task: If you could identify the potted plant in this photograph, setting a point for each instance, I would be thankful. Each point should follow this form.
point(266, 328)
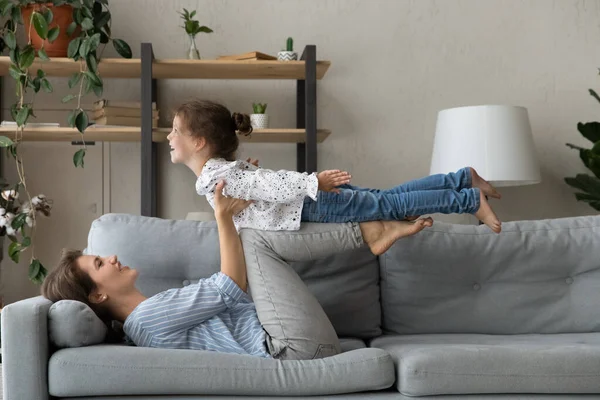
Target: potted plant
point(58, 15)
point(259, 120)
point(89, 32)
point(288, 54)
point(588, 185)
point(192, 28)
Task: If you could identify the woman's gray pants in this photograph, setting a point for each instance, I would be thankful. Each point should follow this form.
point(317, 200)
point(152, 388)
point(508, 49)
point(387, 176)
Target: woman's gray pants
point(296, 325)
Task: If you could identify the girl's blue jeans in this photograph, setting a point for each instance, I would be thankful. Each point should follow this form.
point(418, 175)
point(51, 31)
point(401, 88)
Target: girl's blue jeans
point(441, 193)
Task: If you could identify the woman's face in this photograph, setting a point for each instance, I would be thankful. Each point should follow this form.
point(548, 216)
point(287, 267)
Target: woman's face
point(112, 279)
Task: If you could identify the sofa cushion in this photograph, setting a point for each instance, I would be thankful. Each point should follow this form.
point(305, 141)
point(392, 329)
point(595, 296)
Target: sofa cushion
point(174, 253)
point(73, 324)
point(477, 364)
point(534, 277)
point(85, 371)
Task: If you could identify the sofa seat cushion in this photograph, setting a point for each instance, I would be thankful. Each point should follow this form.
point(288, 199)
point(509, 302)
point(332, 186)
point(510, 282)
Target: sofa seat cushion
point(475, 364)
point(103, 370)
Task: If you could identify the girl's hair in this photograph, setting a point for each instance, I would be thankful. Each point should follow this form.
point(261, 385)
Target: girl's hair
point(69, 282)
point(215, 123)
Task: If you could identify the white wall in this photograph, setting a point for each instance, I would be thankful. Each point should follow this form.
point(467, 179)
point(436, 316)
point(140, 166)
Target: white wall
point(395, 64)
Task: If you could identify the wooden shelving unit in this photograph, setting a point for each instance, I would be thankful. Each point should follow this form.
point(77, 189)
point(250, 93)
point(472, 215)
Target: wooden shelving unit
point(305, 72)
point(133, 134)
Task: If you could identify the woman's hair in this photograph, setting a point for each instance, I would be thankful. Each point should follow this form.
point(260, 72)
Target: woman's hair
point(69, 282)
point(215, 123)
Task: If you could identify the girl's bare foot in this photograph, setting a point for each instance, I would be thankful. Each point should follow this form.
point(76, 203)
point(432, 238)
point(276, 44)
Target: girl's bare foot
point(486, 215)
point(483, 185)
point(381, 235)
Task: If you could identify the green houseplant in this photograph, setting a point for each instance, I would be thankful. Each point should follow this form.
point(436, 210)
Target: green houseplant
point(259, 120)
point(588, 185)
point(288, 54)
point(192, 28)
point(88, 32)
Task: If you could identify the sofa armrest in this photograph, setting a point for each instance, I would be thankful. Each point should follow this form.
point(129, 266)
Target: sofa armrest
point(25, 349)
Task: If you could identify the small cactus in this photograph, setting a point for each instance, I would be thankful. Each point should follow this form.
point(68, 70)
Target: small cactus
point(259, 108)
point(290, 44)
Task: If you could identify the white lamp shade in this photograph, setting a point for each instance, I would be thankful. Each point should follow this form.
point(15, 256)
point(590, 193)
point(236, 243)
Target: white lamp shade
point(496, 140)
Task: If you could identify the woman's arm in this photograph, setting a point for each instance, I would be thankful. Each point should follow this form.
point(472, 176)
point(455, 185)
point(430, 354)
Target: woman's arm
point(233, 263)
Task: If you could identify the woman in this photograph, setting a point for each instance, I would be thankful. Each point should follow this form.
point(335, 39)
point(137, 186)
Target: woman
point(283, 320)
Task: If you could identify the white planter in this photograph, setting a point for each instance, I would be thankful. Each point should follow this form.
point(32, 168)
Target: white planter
point(287, 56)
point(259, 121)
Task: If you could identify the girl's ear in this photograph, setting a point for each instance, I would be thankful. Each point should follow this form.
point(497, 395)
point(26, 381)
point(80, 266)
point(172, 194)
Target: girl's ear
point(200, 143)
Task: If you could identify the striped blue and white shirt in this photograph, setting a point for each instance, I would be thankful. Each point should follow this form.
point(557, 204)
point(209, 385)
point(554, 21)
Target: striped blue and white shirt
point(213, 314)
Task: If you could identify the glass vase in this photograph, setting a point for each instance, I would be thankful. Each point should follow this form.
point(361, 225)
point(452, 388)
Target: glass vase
point(193, 53)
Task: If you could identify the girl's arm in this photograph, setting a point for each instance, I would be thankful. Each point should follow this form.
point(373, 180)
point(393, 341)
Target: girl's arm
point(233, 263)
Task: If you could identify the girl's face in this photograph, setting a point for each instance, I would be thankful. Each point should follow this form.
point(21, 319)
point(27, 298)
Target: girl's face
point(181, 143)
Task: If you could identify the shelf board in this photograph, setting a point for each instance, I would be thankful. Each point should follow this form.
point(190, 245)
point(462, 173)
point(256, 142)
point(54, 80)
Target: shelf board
point(133, 134)
point(179, 68)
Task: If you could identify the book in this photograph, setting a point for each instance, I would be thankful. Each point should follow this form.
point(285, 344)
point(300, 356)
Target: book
point(120, 112)
point(123, 121)
point(99, 104)
point(253, 55)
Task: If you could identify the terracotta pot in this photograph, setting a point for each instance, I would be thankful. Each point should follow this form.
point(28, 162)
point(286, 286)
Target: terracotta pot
point(63, 16)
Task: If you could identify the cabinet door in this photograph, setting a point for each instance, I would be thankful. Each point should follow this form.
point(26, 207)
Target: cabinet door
point(78, 199)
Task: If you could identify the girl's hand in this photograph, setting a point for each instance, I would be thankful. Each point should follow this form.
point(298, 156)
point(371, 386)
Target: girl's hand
point(252, 161)
point(228, 205)
point(330, 179)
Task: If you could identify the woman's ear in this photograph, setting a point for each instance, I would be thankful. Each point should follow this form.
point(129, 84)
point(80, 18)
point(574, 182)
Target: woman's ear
point(97, 298)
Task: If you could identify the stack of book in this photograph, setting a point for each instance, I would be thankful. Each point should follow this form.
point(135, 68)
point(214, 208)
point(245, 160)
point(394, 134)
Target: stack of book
point(120, 113)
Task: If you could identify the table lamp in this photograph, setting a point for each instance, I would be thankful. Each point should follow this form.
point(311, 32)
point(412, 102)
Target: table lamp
point(496, 140)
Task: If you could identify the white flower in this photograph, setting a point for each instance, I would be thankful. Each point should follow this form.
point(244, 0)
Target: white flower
point(36, 200)
point(9, 195)
point(2, 221)
point(29, 221)
point(2, 211)
point(10, 231)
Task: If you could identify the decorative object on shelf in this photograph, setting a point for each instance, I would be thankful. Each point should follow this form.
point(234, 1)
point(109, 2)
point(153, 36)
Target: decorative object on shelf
point(90, 28)
point(192, 28)
point(587, 184)
point(259, 120)
point(288, 54)
point(57, 41)
point(121, 113)
point(250, 56)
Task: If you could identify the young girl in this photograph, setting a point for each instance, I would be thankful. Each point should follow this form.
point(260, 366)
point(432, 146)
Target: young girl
point(204, 137)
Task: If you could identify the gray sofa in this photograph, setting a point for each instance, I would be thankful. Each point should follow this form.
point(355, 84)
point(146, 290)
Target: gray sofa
point(453, 312)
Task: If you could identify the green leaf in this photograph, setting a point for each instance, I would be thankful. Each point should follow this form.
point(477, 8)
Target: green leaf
point(94, 41)
point(6, 7)
point(49, 16)
point(34, 269)
point(77, 14)
point(71, 118)
point(87, 24)
point(18, 221)
point(98, 90)
point(81, 122)
point(78, 158)
point(14, 72)
point(73, 48)
point(53, 34)
point(84, 49)
point(590, 130)
point(594, 95)
point(71, 28)
point(10, 40)
point(16, 15)
point(42, 273)
point(14, 251)
point(46, 85)
point(26, 241)
point(40, 25)
point(192, 14)
point(94, 79)
point(205, 29)
point(88, 3)
point(586, 183)
point(42, 54)
point(5, 141)
point(122, 48)
point(97, 9)
point(74, 79)
point(14, 56)
point(68, 98)
point(22, 116)
point(27, 57)
point(92, 64)
point(102, 19)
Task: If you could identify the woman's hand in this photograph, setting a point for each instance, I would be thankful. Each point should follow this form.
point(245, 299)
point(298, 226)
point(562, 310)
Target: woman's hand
point(228, 205)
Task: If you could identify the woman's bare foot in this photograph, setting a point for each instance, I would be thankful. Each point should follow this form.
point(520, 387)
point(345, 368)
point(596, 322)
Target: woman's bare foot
point(381, 235)
point(483, 185)
point(486, 215)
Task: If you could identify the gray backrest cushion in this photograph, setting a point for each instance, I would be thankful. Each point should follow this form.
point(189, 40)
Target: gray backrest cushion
point(535, 277)
point(73, 324)
point(173, 253)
